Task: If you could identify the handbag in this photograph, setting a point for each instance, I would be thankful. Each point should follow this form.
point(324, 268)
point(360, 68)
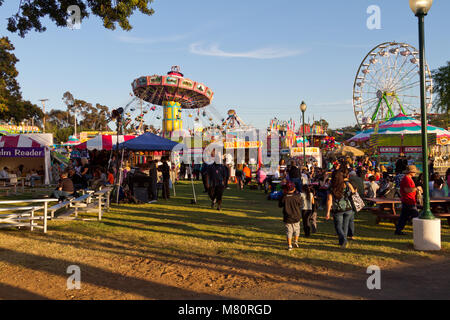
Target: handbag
point(356, 202)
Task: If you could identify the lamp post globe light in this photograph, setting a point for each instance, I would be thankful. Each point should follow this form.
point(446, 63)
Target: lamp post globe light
point(303, 109)
point(420, 8)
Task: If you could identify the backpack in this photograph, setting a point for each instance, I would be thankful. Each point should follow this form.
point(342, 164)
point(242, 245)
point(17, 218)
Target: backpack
point(343, 204)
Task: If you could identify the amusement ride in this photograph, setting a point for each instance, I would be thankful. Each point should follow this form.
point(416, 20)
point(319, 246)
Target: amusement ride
point(387, 83)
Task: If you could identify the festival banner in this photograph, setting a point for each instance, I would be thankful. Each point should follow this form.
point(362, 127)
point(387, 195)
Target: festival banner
point(22, 152)
point(242, 144)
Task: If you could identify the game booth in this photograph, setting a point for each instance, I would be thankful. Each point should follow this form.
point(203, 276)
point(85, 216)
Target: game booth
point(312, 153)
point(20, 149)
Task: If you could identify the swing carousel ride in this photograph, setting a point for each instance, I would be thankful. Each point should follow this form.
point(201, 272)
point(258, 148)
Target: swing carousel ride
point(177, 95)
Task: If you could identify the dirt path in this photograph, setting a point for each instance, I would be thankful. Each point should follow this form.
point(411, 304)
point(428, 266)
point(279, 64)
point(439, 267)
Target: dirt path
point(31, 276)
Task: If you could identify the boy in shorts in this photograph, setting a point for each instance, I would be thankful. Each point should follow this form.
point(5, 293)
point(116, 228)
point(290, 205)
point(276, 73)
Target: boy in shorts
point(292, 204)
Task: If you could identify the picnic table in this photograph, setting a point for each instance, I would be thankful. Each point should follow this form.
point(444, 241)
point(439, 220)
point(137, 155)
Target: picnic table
point(387, 208)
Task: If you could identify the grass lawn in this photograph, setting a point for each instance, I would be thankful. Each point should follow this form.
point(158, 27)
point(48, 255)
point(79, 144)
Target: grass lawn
point(187, 250)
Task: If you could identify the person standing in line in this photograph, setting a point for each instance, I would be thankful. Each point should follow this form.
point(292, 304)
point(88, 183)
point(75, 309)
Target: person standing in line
point(165, 170)
point(295, 176)
point(204, 172)
point(408, 192)
point(309, 223)
point(153, 173)
point(292, 204)
point(247, 174)
point(339, 204)
point(240, 176)
point(217, 173)
point(282, 168)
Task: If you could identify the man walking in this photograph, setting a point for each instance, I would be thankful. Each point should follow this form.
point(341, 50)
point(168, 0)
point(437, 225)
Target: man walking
point(165, 170)
point(153, 173)
point(408, 192)
point(217, 174)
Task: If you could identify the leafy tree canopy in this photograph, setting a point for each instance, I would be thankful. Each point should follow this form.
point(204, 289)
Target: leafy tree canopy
point(441, 86)
point(12, 107)
point(112, 12)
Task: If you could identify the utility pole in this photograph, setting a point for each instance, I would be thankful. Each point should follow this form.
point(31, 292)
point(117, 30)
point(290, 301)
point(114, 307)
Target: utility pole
point(43, 109)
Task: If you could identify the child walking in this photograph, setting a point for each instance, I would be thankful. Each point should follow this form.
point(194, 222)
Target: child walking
point(292, 204)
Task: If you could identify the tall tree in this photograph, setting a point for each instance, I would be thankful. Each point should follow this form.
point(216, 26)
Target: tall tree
point(441, 86)
point(112, 12)
point(12, 107)
point(93, 117)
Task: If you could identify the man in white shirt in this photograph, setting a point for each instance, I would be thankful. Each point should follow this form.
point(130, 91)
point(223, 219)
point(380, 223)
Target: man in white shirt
point(4, 173)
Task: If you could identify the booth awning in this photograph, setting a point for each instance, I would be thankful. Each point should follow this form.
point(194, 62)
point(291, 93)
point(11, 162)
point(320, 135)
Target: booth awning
point(149, 142)
point(18, 141)
point(103, 142)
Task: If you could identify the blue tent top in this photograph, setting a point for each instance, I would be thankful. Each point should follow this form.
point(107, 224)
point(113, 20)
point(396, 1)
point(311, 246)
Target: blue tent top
point(148, 142)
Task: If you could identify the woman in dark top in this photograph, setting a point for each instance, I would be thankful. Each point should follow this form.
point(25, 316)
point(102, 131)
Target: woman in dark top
point(338, 203)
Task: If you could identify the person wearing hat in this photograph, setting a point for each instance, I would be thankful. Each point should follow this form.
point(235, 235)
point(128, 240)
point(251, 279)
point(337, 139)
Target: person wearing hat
point(408, 192)
point(292, 204)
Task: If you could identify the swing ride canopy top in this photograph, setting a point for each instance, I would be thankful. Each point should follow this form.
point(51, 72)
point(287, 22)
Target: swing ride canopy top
point(173, 87)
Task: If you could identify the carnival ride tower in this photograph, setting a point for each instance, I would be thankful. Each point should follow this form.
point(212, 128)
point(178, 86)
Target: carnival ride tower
point(174, 93)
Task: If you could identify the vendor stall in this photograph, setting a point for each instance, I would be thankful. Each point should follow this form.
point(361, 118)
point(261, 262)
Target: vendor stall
point(19, 149)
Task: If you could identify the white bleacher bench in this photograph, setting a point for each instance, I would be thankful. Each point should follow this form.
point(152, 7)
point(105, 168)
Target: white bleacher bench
point(26, 214)
point(59, 206)
point(91, 201)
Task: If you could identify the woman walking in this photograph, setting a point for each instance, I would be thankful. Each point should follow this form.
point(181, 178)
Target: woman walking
point(308, 217)
point(338, 203)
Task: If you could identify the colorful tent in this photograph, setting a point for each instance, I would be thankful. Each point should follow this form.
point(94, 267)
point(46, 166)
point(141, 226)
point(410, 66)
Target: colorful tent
point(149, 142)
point(71, 141)
point(361, 136)
point(20, 149)
point(103, 142)
point(400, 124)
point(299, 140)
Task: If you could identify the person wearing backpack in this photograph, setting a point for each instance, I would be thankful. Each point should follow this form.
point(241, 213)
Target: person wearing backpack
point(338, 203)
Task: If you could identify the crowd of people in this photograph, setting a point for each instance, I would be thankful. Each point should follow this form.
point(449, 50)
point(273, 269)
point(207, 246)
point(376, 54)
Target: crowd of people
point(334, 185)
point(303, 188)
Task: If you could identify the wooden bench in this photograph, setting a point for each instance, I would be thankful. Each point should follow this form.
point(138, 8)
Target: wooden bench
point(26, 216)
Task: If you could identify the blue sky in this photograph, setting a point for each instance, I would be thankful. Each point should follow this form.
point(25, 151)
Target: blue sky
point(261, 58)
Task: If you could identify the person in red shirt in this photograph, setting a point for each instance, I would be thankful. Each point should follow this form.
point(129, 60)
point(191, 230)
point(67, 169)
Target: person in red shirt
point(408, 192)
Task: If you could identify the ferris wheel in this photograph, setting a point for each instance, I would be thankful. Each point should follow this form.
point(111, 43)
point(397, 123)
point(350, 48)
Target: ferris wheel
point(388, 82)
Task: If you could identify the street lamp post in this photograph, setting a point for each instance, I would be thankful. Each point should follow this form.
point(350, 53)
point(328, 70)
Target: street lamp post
point(43, 109)
point(420, 9)
point(303, 109)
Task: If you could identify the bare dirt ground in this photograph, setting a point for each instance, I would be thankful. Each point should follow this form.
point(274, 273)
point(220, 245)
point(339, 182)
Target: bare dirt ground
point(31, 276)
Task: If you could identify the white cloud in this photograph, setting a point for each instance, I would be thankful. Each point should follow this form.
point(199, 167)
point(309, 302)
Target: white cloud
point(137, 40)
point(263, 53)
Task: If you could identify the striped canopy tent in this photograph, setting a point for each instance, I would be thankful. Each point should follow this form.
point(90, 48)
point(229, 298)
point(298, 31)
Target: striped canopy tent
point(402, 124)
point(361, 136)
point(71, 141)
point(103, 142)
point(300, 141)
point(20, 149)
